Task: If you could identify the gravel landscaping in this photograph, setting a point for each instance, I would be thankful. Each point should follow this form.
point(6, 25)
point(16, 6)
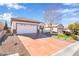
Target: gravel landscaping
point(12, 45)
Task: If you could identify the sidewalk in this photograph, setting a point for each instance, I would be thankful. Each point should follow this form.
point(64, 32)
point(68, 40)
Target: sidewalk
point(68, 51)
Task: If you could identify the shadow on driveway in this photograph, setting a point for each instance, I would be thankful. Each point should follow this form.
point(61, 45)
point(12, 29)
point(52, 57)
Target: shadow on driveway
point(35, 36)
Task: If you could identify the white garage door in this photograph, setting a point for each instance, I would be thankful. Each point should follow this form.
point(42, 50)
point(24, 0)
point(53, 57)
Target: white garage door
point(26, 28)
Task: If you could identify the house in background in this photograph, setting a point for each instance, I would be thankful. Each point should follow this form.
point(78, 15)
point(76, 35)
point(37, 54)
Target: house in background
point(55, 28)
point(24, 26)
point(66, 29)
point(2, 25)
point(60, 28)
point(2, 31)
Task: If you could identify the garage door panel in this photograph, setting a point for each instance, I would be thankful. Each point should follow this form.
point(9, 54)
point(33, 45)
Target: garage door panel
point(22, 28)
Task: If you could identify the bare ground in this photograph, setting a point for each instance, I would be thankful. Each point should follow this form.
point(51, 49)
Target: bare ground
point(13, 45)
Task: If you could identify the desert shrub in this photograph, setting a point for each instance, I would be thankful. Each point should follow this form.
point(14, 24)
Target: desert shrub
point(74, 36)
point(75, 32)
point(66, 33)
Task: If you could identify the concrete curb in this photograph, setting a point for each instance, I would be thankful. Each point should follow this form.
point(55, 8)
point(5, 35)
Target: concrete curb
point(68, 51)
point(16, 54)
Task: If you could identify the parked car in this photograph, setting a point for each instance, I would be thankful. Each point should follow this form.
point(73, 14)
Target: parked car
point(54, 33)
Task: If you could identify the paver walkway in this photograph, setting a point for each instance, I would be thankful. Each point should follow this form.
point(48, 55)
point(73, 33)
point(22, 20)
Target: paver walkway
point(43, 46)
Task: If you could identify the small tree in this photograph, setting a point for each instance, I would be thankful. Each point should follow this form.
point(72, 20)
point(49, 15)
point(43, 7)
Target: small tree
point(6, 27)
point(74, 28)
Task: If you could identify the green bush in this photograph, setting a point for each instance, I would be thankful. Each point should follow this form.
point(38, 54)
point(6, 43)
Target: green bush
point(62, 36)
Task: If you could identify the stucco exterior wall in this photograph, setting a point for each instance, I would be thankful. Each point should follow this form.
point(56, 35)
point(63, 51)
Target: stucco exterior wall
point(14, 24)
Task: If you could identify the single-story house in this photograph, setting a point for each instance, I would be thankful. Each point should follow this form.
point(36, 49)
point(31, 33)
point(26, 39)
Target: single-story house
point(24, 26)
point(55, 28)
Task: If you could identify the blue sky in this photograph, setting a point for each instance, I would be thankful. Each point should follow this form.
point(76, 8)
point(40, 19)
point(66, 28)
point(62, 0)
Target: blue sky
point(69, 11)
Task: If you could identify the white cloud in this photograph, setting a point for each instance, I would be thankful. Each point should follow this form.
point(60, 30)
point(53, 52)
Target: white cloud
point(69, 10)
point(71, 4)
point(70, 13)
point(13, 5)
point(6, 17)
point(71, 20)
point(67, 21)
point(68, 3)
point(74, 19)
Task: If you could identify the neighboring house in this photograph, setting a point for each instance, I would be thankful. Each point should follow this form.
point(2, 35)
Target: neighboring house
point(66, 29)
point(55, 28)
point(60, 28)
point(24, 26)
point(2, 32)
point(2, 26)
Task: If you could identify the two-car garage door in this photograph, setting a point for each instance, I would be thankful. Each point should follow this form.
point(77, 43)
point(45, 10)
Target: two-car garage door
point(26, 28)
